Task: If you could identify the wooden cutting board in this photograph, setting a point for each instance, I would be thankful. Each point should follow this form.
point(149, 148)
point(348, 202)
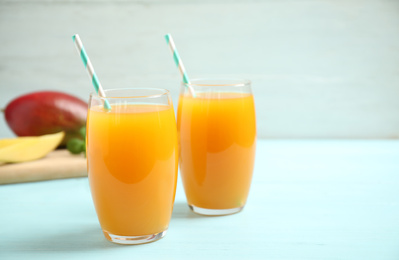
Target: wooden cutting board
point(56, 165)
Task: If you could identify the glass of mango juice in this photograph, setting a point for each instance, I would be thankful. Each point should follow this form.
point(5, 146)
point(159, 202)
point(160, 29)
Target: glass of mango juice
point(216, 125)
point(132, 156)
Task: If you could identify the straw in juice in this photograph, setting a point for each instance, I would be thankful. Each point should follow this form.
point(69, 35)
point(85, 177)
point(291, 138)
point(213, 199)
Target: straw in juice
point(179, 62)
point(90, 70)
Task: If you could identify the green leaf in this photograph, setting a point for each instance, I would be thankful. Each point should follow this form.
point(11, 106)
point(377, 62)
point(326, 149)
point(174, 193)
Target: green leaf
point(82, 132)
point(76, 146)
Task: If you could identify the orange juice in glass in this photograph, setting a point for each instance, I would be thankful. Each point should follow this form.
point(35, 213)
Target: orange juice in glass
point(217, 137)
point(132, 163)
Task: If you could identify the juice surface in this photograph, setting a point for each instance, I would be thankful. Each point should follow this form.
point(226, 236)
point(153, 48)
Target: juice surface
point(132, 165)
point(217, 148)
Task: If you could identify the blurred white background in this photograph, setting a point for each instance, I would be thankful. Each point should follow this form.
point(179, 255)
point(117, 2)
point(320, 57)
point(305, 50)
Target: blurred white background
point(320, 68)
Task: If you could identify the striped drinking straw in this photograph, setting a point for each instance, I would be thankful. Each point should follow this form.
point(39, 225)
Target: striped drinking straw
point(179, 62)
point(90, 70)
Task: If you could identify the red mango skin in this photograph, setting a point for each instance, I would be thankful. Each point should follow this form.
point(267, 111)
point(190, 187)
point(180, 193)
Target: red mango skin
point(46, 112)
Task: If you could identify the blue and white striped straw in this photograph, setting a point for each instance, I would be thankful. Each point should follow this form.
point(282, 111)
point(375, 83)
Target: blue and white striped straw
point(90, 70)
point(179, 62)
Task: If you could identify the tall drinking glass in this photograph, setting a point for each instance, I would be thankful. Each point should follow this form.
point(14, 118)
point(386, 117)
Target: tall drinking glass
point(132, 163)
point(217, 130)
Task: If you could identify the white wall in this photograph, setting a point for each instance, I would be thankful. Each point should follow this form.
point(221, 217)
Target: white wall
point(320, 69)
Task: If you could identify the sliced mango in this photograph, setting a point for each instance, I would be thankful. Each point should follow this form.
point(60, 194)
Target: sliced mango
point(11, 141)
point(24, 149)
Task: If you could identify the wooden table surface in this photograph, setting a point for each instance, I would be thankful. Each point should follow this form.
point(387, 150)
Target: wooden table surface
point(309, 200)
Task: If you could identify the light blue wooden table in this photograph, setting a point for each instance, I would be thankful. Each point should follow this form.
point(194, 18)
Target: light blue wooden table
point(309, 200)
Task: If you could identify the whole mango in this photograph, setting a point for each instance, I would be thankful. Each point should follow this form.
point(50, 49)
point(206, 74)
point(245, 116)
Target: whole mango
point(46, 112)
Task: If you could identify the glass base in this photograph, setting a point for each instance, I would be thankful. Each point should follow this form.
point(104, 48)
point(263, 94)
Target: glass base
point(134, 240)
point(214, 212)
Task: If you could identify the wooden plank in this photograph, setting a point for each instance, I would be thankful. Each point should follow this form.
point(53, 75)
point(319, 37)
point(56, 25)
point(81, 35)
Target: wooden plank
point(320, 69)
point(58, 164)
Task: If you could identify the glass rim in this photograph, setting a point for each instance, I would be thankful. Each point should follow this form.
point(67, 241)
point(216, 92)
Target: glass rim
point(163, 92)
point(239, 82)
